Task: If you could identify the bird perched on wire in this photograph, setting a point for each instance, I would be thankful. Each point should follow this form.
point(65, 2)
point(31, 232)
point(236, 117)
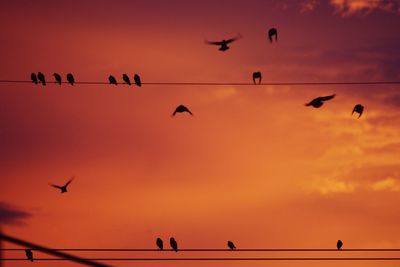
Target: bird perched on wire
point(224, 43)
point(29, 254)
point(358, 109)
point(34, 78)
point(57, 77)
point(257, 75)
point(273, 32)
point(137, 80)
point(160, 243)
point(339, 244)
point(231, 245)
point(112, 80)
point(126, 79)
point(319, 101)
point(180, 109)
point(70, 78)
point(174, 244)
point(65, 186)
point(41, 78)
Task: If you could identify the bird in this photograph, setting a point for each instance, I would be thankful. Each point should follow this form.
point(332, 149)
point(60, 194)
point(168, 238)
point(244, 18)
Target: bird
point(339, 244)
point(70, 78)
point(57, 77)
point(112, 80)
point(271, 33)
point(137, 79)
point(180, 109)
point(358, 109)
point(29, 254)
point(34, 78)
point(64, 187)
point(41, 78)
point(231, 245)
point(257, 75)
point(160, 243)
point(224, 43)
point(174, 244)
point(126, 79)
point(319, 101)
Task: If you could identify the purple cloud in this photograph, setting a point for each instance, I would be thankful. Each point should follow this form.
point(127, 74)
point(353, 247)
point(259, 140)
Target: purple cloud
point(12, 215)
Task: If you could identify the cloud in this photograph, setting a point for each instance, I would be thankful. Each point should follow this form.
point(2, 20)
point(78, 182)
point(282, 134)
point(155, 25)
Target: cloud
point(387, 184)
point(12, 215)
point(307, 6)
point(363, 7)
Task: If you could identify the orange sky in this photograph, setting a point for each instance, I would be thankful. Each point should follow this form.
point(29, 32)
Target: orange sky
point(253, 164)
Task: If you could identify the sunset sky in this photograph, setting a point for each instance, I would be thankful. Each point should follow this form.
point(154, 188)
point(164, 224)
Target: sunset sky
point(253, 165)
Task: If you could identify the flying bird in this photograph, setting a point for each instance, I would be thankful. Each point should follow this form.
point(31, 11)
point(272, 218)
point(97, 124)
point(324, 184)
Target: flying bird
point(70, 78)
point(339, 244)
point(112, 80)
point(358, 109)
point(57, 77)
point(257, 75)
point(138, 82)
point(34, 78)
point(231, 245)
point(29, 254)
point(271, 33)
point(41, 78)
point(126, 79)
point(319, 101)
point(224, 43)
point(180, 109)
point(160, 243)
point(174, 244)
point(64, 187)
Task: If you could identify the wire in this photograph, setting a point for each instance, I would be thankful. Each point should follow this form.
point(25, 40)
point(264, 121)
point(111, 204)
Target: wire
point(221, 250)
point(227, 83)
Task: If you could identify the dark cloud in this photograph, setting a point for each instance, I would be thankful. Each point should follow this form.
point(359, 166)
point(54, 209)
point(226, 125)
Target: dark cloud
point(12, 215)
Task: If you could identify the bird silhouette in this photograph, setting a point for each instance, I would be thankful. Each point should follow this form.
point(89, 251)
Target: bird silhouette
point(64, 187)
point(137, 79)
point(231, 245)
point(160, 243)
point(70, 78)
point(174, 244)
point(224, 43)
point(57, 77)
point(41, 78)
point(319, 101)
point(271, 33)
point(29, 254)
point(180, 109)
point(34, 78)
point(257, 75)
point(339, 244)
point(126, 79)
point(358, 109)
point(112, 80)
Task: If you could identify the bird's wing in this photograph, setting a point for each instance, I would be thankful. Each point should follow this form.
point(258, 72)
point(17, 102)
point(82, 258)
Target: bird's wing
point(214, 43)
point(70, 180)
point(189, 111)
point(173, 114)
point(325, 98)
point(234, 39)
point(55, 186)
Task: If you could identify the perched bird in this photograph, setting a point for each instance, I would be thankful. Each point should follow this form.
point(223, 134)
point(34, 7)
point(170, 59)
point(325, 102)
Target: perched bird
point(160, 243)
point(138, 82)
point(57, 77)
point(126, 79)
point(70, 78)
point(64, 187)
point(174, 244)
point(180, 109)
point(339, 244)
point(358, 109)
point(34, 78)
point(231, 245)
point(224, 43)
point(29, 254)
point(319, 101)
point(271, 33)
point(112, 80)
point(257, 75)
point(41, 78)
